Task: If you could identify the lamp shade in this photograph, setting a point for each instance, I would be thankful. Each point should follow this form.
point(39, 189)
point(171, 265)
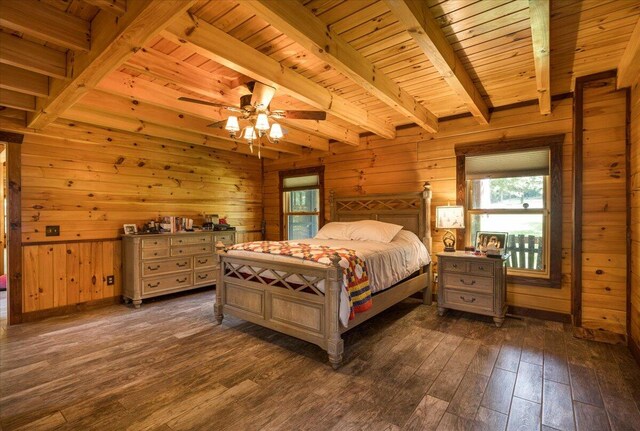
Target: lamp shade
point(232, 124)
point(249, 133)
point(262, 123)
point(276, 132)
point(450, 217)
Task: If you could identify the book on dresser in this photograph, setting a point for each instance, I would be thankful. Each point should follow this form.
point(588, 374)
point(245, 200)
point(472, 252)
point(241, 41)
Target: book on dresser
point(159, 264)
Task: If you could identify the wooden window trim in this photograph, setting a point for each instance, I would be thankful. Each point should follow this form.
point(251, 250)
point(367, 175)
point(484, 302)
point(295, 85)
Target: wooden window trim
point(316, 170)
point(554, 143)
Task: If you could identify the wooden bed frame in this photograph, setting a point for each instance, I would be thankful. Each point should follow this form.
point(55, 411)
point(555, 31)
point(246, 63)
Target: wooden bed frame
point(301, 309)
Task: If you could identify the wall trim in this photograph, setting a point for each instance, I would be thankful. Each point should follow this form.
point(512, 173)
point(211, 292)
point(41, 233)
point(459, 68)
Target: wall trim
point(553, 316)
point(33, 316)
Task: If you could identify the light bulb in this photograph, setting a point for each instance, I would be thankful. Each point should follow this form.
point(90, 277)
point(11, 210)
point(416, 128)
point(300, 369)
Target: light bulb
point(262, 123)
point(232, 124)
point(276, 132)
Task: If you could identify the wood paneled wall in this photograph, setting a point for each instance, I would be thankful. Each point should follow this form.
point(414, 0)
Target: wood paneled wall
point(635, 215)
point(91, 189)
point(604, 207)
point(415, 156)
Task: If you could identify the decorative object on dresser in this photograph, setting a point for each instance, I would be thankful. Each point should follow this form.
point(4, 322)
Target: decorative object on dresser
point(158, 264)
point(477, 284)
point(130, 229)
point(449, 217)
point(491, 243)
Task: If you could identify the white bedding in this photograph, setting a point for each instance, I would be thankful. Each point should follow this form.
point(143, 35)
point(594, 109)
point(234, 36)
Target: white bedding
point(387, 263)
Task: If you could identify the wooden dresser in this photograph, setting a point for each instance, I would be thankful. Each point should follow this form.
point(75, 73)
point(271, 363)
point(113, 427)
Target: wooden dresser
point(164, 263)
point(477, 284)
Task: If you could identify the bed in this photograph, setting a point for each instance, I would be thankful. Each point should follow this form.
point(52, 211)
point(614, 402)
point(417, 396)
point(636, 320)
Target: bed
point(303, 300)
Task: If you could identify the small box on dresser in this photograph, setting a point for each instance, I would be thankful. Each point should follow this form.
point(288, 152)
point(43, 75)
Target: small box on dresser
point(476, 284)
point(159, 264)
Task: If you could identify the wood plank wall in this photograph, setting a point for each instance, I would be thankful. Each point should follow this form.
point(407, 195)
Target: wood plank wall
point(604, 208)
point(415, 156)
point(635, 215)
point(90, 190)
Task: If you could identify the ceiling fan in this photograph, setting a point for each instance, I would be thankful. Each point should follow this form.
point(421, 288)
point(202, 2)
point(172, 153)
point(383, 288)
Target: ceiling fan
point(255, 112)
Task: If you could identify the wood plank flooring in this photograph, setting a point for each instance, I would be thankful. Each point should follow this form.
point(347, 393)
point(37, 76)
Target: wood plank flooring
point(168, 366)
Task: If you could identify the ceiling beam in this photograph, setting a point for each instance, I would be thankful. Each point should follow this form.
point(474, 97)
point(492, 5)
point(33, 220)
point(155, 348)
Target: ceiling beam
point(539, 17)
point(132, 125)
point(414, 15)
point(46, 23)
point(23, 81)
point(32, 56)
point(113, 41)
point(629, 66)
point(114, 105)
point(302, 26)
point(222, 48)
point(116, 7)
point(13, 99)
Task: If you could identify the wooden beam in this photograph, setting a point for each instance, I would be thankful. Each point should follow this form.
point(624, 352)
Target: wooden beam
point(32, 56)
point(222, 48)
point(629, 66)
point(114, 40)
point(46, 23)
point(326, 129)
point(415, 16)
point(13, 99)
point(14, 225)
point(23, 81)
point(116, 7)
point(302, 26)
point(539, 11)
point(89, 116)
point(113, 105)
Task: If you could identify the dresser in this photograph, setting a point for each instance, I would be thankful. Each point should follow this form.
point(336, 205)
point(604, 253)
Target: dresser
point(159, 264)
point(477, 284)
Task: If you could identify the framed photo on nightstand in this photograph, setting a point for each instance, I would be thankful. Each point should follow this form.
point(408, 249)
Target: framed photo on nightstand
point(491, 242)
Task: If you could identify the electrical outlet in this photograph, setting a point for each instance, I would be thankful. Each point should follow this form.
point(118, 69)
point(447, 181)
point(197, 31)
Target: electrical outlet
point(435, 277)
point(52, 231)
point(111, 279)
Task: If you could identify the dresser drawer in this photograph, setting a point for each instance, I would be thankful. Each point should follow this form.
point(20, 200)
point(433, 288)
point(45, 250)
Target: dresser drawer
point(226, 238)
point(190, 250)
point(204, 261)
point(468, 299)
point(469, 282)
point(481, 269)
point(155, 253)
point(454, 266)
point(205, 277)
point(155, 242)
point(191, 239)
point(152, 268)
point(168, 282)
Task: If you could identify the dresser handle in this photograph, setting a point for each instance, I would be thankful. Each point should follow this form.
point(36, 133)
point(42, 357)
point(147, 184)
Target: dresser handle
point(202, 277)
point(181, 266)
point(481, 268)
point(153, 269)
point(153, 285)
point(468, 300)
point(468, 284)
point(455, 265)
point(181, 281)
point(202, 262)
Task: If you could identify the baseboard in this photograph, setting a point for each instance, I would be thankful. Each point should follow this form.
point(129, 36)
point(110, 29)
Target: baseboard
point(33, 316)
point(539, 314)
point(634, 347)
point(599, 335)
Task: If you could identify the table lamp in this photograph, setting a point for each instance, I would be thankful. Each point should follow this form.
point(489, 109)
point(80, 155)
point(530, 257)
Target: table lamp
point(449, 217)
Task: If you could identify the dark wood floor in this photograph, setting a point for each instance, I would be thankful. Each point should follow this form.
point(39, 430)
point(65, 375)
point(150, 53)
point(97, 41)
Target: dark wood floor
point(167, 366)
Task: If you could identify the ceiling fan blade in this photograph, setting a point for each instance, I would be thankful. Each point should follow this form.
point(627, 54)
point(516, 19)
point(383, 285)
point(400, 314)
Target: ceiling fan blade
point(217, 105)
point(302, 115)
point(262, 95)
point(218, 124)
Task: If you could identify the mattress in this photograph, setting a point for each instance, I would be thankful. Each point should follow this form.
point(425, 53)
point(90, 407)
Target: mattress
point(387, 263)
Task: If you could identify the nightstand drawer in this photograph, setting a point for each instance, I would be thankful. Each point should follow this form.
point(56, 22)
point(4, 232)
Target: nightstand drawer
point(454, 266)
point(468, 299)
point(481, 268)
point(470, 282)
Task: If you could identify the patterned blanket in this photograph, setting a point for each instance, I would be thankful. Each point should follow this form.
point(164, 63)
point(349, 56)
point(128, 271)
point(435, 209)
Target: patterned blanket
point(354, 269)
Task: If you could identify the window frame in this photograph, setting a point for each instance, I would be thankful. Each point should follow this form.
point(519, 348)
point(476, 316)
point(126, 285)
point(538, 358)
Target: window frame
point(554, 229)
point(316, 170)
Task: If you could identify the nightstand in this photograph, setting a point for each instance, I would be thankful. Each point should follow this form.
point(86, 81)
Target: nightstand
point(477, 284)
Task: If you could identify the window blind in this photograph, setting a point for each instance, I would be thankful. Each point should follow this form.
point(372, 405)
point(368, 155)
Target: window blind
point(526, 163)
point(297, 182)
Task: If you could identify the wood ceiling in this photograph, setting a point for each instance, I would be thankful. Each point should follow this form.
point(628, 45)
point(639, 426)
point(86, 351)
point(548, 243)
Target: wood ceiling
point(73, 68)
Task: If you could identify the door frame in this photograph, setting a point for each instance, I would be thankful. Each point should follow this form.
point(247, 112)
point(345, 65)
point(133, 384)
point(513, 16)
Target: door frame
point(14, 226)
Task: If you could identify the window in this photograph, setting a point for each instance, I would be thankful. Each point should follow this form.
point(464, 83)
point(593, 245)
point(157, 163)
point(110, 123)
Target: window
point(516, 189)
point(302, 199)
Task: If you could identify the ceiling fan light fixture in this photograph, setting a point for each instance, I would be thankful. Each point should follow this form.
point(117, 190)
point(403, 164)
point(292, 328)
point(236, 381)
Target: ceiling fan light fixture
point(232, 124)
point(262, 122)
point(249, 133)
point(276, 132)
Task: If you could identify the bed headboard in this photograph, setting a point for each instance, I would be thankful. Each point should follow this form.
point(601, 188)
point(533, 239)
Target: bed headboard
point(411, 210)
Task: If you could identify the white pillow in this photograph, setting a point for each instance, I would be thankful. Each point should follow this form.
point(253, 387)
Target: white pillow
point(334, 230)
point(372, 230)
